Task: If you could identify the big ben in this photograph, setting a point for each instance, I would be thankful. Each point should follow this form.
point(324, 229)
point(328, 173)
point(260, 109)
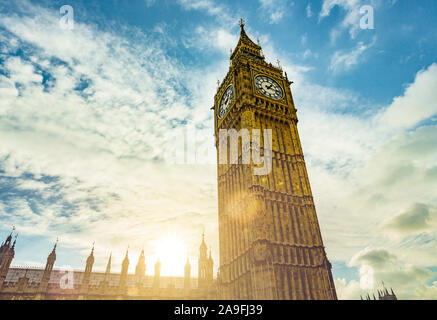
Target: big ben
point(270, 241)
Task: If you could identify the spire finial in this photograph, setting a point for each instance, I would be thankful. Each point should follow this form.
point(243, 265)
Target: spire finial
point(12, 231)
point(15, 241)
point(56, 244)
point(241, 23)
point(108, 266)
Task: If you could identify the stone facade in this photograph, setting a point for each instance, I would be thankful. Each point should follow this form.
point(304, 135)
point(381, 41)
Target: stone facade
point(270, 241)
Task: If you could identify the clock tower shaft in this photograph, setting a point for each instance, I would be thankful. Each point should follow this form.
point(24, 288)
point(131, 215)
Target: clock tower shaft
point(270, 241)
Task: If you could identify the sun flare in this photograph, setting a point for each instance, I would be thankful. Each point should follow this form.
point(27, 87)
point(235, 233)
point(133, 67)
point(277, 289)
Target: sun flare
point(172, 253)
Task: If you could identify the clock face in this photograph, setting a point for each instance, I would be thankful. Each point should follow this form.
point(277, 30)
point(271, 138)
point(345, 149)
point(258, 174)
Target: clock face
point(226, 101)
point(268, 87)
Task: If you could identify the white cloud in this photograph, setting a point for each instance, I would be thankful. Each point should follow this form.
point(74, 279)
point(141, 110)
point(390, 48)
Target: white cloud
point(417, 104)
point(345, 60)
point(212, 38)
point(275, 9)
point(212, 8)
point(416, 219)
point(348, 290)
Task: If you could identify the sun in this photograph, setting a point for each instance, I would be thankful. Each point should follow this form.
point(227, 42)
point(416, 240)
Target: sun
point(171, 251)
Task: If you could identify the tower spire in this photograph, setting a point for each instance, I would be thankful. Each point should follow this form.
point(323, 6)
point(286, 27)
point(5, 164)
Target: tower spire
point(53, 253)
point(87, 274)
point(15, 241)
point(43, 285)
point(7, 253)
point(91, 256)
point(108, 267)
point(9, 238)
point(140, 269)
point(124, 272)
point(246, 47)
point(187, 275)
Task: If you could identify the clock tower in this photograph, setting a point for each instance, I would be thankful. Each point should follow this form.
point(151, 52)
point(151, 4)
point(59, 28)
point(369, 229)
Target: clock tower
point(270, 241)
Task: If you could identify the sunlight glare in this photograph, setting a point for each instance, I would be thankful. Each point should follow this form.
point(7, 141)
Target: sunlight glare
point(173, 255)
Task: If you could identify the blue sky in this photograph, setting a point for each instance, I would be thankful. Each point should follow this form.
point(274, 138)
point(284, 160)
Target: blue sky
point(84, 114)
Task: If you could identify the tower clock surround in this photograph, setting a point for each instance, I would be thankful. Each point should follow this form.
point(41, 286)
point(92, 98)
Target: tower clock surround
point(270, 241)
point(226, 101)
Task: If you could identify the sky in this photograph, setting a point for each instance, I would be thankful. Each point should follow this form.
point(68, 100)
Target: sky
point(85, 115)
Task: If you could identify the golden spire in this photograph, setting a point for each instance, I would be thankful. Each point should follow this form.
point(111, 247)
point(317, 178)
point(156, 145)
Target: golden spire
point(245, 44)
point(108, 266)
